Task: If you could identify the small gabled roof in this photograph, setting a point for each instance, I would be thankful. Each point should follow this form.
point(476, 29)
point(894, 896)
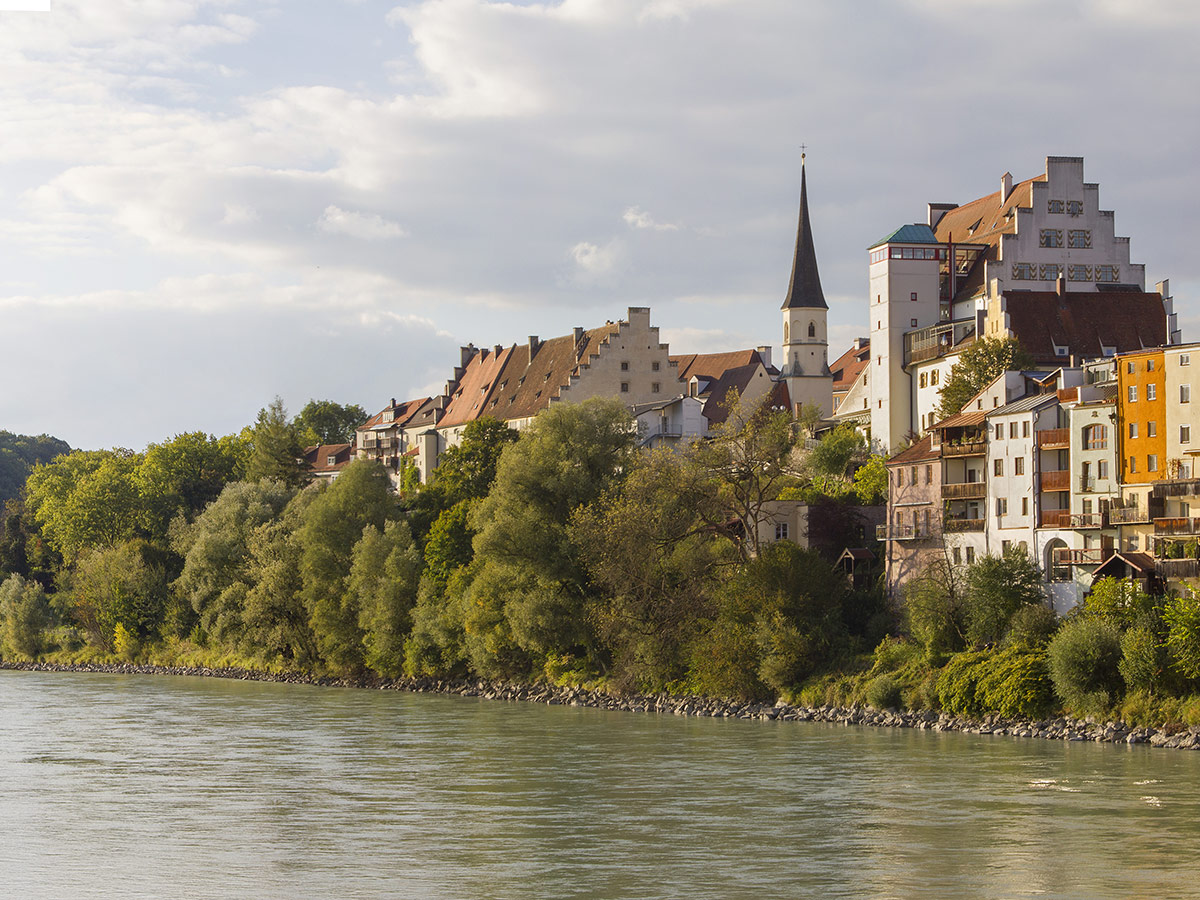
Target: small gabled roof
point(711, 366)
point(317, 458)
point(1028, 403)
point(961, 420)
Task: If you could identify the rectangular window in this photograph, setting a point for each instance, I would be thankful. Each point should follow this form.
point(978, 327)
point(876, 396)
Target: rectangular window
point(1102, 469)
point(933, 377)
point(1151, 429)
point(655, 387)
point(929, 474)
point(1130, 367)
point(1012, 429)
point(1024, 506)
point(970, 555)
point(1185, 434)
point(1074, 207)
point(957, 554)
point(1152, 392)
point(1149, 365)
point(781, 531)
point(1079, 239)
point(1076, 272)
point(1108, 273)
point(1185, 393)
point(1185, 359)
point(1133, 430)
point(913, 296)
point(1019, 465)
point(1050, 237)
point(1133, 393)
point(912, 476)
point(1005, 546)
point(1152, 462)
point(624, 387)
point(899, 478)
point(624, 367)
point(999, 431)
point(1133, 465)
point(1054, 206)
point(924, 380)
point(912, 323)
point(1024, 429)
point(1050, 271)
point(654, 366)
point(1023, 272)
point(998, 467)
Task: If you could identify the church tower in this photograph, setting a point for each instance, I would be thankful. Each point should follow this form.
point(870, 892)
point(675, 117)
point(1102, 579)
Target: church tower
point(805, 341)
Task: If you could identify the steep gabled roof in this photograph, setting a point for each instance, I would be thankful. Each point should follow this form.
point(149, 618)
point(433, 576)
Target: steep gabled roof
point(317, 458)
point(921, 450)
point(527, 381)
point(712, 366)
point(983, 221)
point(846, 368)
point(401, 413)
point(804, 288)
point(476, 387)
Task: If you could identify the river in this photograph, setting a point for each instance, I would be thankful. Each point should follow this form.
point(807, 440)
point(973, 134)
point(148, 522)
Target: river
point(169, 787)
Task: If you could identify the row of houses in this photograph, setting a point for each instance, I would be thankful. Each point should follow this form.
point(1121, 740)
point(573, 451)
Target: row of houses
point(1088, 468)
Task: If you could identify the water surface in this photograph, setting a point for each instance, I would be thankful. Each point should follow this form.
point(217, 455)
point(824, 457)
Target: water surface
point(134, 786)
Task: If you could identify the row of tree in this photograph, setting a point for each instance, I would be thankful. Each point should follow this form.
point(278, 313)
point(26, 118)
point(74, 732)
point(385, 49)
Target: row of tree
point(566, 551)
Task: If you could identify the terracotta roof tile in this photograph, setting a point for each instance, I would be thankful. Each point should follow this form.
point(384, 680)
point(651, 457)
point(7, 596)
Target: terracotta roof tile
point(713, 365)
point(847, 367)
point(1085, 322)
point(982, 221)
point(919, 451)
point(317, 458)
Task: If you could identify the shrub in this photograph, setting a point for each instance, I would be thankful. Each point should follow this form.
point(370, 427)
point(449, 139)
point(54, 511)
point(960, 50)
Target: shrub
point(958, 683)
point(1084, 659)
point(1031, 626)
point(883, 692)
point(893, 653)
point(1182, 618)
point(24, 616)
point(996, 588)
point(1016, 682)
point(1141, 659)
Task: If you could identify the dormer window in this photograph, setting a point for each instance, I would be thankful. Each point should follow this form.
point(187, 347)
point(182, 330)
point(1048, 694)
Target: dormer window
point(1060, 350)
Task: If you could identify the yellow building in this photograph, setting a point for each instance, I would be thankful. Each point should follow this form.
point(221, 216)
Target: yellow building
point(1142, 443)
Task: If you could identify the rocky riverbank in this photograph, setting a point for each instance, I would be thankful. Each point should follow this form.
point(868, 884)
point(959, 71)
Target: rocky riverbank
point(1057, 729)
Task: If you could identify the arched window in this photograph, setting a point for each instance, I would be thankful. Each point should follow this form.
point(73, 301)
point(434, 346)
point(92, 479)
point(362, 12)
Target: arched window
point(812, 329)
point(785, 332)
point(1056, 568)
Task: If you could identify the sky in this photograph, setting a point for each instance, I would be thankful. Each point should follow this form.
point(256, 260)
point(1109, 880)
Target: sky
point(208, 203)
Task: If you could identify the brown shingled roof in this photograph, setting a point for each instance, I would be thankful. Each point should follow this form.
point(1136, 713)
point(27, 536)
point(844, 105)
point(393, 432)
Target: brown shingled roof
point(317, 458)
point(921, 450)
point(847, 367)
point(526, 382)
point(716, 410)
point(1084, 321)
point(982, 221)
point(713, 365)
point(477, 387)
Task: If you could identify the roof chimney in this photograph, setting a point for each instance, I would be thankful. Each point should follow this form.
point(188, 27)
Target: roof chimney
point(534, 343)
point(578, 334)
point(465, 354)
point(498, 348)
point(1060, 284)
point(1005, 186)
point(765, 354)
point(393, 402)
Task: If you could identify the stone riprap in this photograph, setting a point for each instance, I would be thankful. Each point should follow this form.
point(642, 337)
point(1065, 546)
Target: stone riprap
point(1061, 728)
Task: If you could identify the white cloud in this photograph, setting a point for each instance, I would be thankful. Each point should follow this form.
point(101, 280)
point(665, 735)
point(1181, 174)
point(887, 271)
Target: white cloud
point(639, 218)
point(364, 226)
point(594, 262)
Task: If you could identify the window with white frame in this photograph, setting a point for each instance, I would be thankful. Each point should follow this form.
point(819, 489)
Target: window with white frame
point(1133, 393)
point(781, 531)
point(1152, 392)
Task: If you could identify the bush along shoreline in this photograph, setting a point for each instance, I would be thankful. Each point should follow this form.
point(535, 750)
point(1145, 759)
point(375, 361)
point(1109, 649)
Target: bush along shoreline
point(1061, 728)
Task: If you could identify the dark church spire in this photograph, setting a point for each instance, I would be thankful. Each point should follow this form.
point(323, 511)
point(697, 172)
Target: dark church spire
point(805, 287)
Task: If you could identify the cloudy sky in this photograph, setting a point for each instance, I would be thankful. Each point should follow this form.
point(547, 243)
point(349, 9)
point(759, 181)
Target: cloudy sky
point(205, 203)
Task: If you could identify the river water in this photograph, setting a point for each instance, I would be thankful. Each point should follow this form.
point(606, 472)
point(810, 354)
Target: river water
point(164, 787)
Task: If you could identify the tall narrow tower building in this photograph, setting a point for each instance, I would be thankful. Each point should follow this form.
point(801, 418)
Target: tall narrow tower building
point(805, 339)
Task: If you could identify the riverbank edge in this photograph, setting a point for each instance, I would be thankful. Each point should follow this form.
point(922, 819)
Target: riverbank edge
point(1060, 728)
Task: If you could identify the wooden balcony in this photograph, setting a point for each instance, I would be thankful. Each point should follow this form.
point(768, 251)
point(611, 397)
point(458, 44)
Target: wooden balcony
point(1092, 556)
point(1189, 487)
point(966, 490)
point(1056, 480)
point(1055, 518)
point(1134, 516)
point(968, 448)
point(1177, 568)
point(951, 525)
point(1080, 521)
point(1054, 439)
point(1177, 525)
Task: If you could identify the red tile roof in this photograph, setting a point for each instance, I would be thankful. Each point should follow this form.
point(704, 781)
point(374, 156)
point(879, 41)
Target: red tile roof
point(982, 221)
point(921, 450)
point(317, 458)
point(713, 365)
point(1084, 322)
point(847, 367)
point(475, 387)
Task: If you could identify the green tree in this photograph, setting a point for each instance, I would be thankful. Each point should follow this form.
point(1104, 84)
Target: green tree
point(216, 576)
point(996, 587)
point(1117, 601)
point(653, 565)
point(1182, 618)
point(933, 608)
point(326, 422)
point(751, 458)
point(18, 454)
point(1085, 658)
point(385, 571)
point(464, 472)
point(830, 460)
point(978, 366)
point(25, 616)
point(185, 474)
point(871, 480)
point(359, 497)
point(118, 590)
point(531, 571)
point(274, 447)
point(87, 499)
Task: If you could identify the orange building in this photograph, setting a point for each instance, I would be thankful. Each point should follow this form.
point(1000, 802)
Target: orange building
point(1142, 442)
